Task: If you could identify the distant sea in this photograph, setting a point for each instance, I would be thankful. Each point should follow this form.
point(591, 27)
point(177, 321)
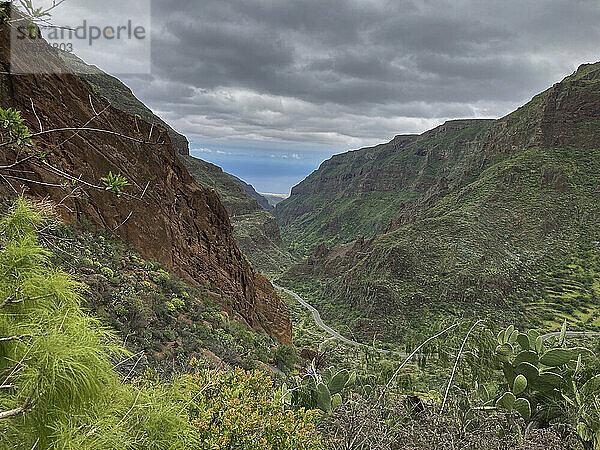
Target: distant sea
point(268, 170)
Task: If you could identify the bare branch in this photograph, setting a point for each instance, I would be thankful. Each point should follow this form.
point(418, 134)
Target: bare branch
point(123, 223)
point(24, 160)
point(415, 351)
point(79, 180)
point(87, 123)
point(92, 105)
point(27, 180)
point(14, 338)
point(134, 366)
point(35, 114)
point(145, 189)
point(456, 364)
point(9, 299)
point(95, 130)
point(17, 411)
point(10, 184)
point(9, 369)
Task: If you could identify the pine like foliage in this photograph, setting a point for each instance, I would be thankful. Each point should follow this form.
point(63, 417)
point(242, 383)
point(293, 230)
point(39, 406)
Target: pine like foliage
point(58, 387)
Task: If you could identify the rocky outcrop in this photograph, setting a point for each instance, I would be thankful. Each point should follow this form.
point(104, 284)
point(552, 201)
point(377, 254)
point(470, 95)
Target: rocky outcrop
point(255, 229)
point(165, 214)
point(249, 189)
point(121, 97)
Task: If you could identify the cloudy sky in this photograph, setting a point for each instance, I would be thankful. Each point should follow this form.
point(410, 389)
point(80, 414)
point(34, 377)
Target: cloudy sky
point(268, 89)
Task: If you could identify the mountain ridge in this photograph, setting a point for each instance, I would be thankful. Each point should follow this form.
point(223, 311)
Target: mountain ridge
point(121, 97)
point(496, 216)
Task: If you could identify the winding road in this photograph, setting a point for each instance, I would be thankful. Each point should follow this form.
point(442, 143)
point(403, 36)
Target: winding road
point(336, 335)
point(331, 331)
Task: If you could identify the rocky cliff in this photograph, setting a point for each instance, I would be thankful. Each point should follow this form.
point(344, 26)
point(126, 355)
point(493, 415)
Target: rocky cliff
point(165, 213)
point(121, 97)
point(255, 229)
point(249, 189)
point(360, 192)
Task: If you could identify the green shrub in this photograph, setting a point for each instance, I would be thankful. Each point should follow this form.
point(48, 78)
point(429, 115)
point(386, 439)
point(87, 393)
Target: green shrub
point(324, 391)
point(69, 396)
point(239, 410)
point(107, 272)
point(160, 276)
point(548, 381)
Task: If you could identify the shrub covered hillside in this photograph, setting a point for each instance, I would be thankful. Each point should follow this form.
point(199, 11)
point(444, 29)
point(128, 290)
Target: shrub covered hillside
point(59, 387)
point(162, 319)
point(496, 218)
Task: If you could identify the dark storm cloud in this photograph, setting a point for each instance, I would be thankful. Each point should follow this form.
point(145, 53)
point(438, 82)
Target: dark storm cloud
point(348, 73)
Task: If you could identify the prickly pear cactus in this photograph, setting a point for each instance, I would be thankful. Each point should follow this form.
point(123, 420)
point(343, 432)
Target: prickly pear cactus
point(536, 377)
point(324, 391)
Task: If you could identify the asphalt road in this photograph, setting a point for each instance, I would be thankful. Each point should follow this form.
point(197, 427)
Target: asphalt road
point(571, 333)
point(336, 335)
point(331, 331)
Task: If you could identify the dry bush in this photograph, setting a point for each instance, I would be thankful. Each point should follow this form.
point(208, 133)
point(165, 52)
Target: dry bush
point(394, 425)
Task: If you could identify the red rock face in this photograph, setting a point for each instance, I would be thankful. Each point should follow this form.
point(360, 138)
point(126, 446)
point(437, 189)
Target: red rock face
point(177, 222)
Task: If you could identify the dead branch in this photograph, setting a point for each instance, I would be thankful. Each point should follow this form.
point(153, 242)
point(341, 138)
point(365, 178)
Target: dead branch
point(123, 223)
point(9, 299)
point(96, 114)
point(95, 130)
point(10, 184)
point(456, 364)
point(24, 160)
point(19, 410)
point(35, 114)
point(14, 338)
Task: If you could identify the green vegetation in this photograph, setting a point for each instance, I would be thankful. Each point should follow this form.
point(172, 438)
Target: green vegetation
point(324, 391)
point(17, 131)
point(487, 222)
point(115, 183)
point(158, 315)
point(544, 383)
point(360, 192)
point(59, 388)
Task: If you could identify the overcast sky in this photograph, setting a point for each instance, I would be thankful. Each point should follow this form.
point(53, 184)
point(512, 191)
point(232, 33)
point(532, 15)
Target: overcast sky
point(298, 80)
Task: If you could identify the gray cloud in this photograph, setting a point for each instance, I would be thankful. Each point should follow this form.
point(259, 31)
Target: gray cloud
point(350, 73)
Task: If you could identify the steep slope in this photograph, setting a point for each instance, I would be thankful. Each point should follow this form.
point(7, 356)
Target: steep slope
point(358, 193)
point(165, 213)
point(502, 221)
point(255, 229)
point(256, 232)
point(249, 189)
point(154, 312)
point(121, 97)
